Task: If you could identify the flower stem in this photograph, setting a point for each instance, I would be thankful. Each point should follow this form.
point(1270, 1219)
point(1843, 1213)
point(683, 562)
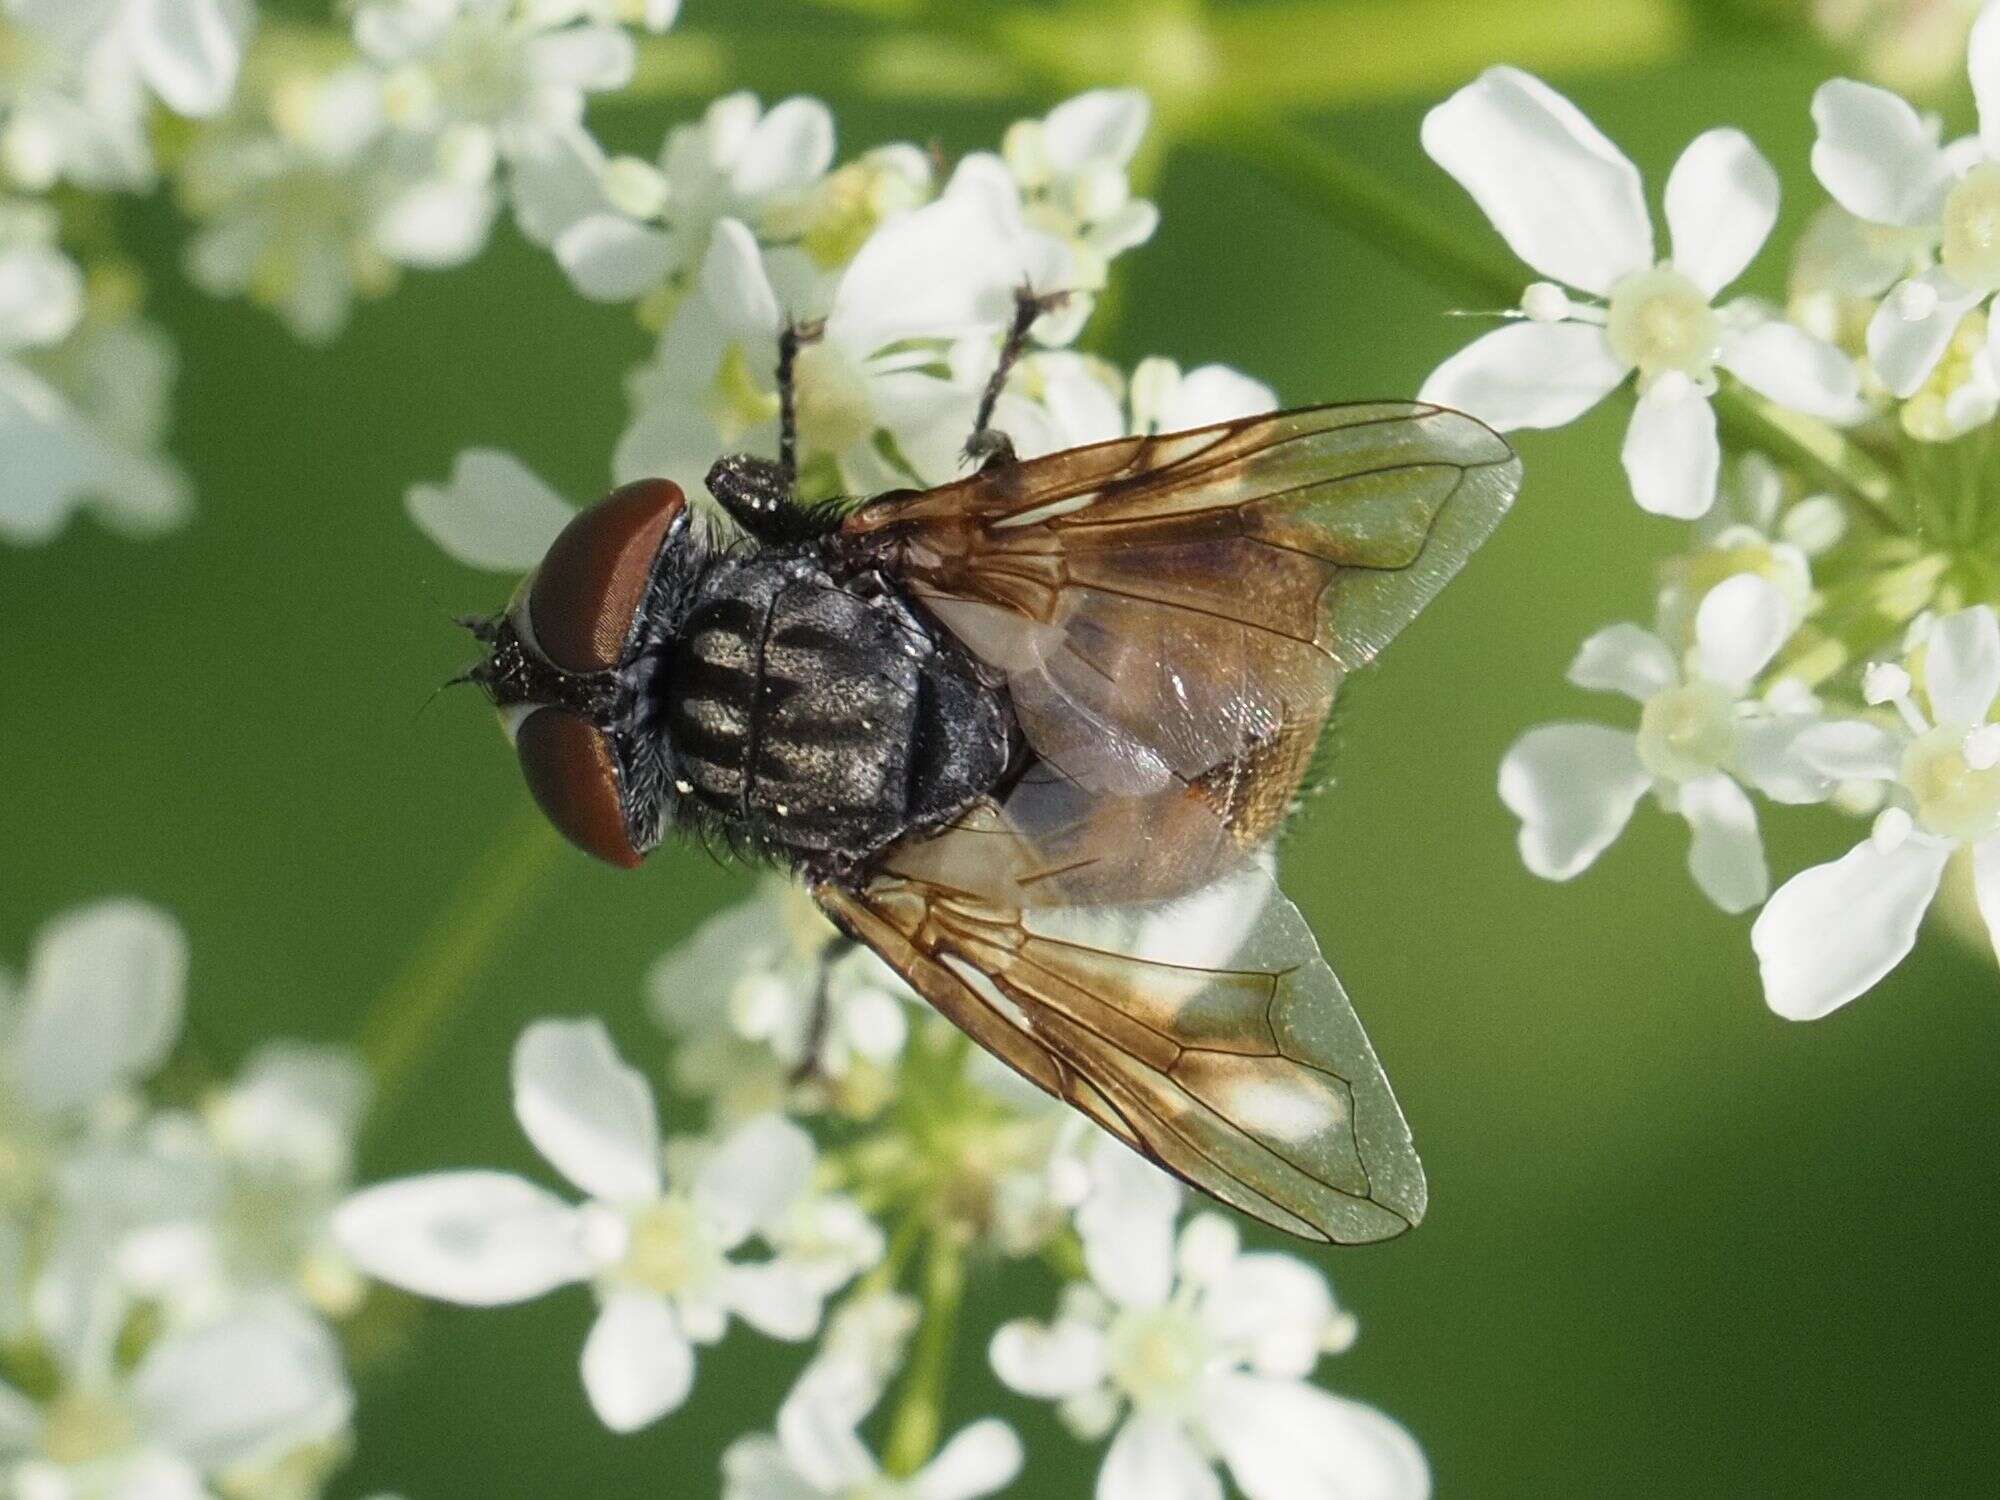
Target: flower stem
point(415, 1008)
point(919, 1413)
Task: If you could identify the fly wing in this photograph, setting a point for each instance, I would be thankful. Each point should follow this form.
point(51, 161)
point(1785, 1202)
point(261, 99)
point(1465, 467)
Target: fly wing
point(1166, 606)
point(1206, 1032)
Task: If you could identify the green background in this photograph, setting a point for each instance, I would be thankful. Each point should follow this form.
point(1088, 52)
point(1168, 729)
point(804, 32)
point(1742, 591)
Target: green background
point(1677, 1246)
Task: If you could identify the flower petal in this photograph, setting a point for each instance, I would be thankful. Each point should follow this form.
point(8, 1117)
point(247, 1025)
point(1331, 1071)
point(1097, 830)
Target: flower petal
point(1982, 65)
point(1103, 125)
point(1624, 659)
point(1672, 458)
point(1852, 750)
point(791, 147)
point(1276, 1307)
point(1741, 624)
point(1565, 199)
point(977, 1460)
point(253, 1385)
point(1903, 349)
point(1782, 361)
point(1127, 1225)
point(774, 1297)
point(103, 1002)
point(1768, 757)
point(1573, 786)
point(1722, 200)
point(1213, 393)
point(756, 1172)
point(588, 1112)
point(1152, 1459)
point(493, 512)
point(188, 52)
point(1725, 857)
point(480, 1238)
point(1831, 932)
point(637, 1364)
point(1047, 1360)
point(1876, 156)
point(609, 258)
point(1528, 375)
point(1285, 1440)
point(1986, 886)
point(1962, 667)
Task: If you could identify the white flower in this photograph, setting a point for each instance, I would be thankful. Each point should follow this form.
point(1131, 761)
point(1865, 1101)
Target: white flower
point(1700, 736)
point(244, 1391)
point(493, 513)
point(1198, 1353)
point(817, 1453)
point(487, 83)
point(1570, 204)
point(1832, 931)
point(1072, 168)
point(1883, 162)
point(738, 163)
point(662, 1258)
point(880, 366)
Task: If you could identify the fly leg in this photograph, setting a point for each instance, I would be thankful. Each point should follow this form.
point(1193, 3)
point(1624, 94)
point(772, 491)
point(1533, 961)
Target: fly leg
point(988, 445)
point(816, 1024)
point(760, 494)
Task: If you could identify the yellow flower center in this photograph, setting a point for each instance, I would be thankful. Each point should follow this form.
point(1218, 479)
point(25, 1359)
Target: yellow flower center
point(1953, 800)
point(1971, 250)
point(1687, 731)
point(1659, 320)
point(670, 1251)
point(1155, 1356)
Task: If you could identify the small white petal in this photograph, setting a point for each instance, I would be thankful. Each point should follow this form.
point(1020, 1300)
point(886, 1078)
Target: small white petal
point(1905, 349)
point(1986, 886)
point(978, 1460)
point(102, 1004)
point(1962, 666)
point(1769, 758)
point(481, 1238)
point(609, 258)
point(1051, 1361)
point(493, 513)
point(1624, 659)
point(1785, 363)
point(1528, 375)
point(251, 1386)
point(1982, 747)
point(1573, 786)
point(1891, 829)
point(1152, 1459)
point(1273, 1306)
point(1851, 750)
point(1741, 624)
point(1884, 682)
point(754, 1174)
point(1127, 1225)
point(1831, 932)
point(1876, 156)
point(1545, 302)
point(1725, 856)
point(1722, 200)
point(1565, 199)
point(1103, 125)
point(1982, 65)
point(1284, 1440)
point(791, 147)
point(189, 53)
point(775, 1297)
point(637, 1364)
point(1671, 455)
point(583, 57)
point(1213, 393)
point(588, 1112)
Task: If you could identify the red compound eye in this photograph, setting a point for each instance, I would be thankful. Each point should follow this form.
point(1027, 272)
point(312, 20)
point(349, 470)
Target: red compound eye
point(594, 578)
point(574, 778)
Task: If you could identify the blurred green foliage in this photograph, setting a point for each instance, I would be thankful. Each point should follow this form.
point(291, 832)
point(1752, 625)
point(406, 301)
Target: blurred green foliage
point(1677, 1246)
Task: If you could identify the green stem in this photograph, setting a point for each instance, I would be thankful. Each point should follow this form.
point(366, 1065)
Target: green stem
point(919, 1413)
point(415, 1008)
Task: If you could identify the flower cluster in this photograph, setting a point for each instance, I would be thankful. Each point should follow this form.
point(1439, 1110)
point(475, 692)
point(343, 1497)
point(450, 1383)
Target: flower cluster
point(1828, 633)
point(169, 1288)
